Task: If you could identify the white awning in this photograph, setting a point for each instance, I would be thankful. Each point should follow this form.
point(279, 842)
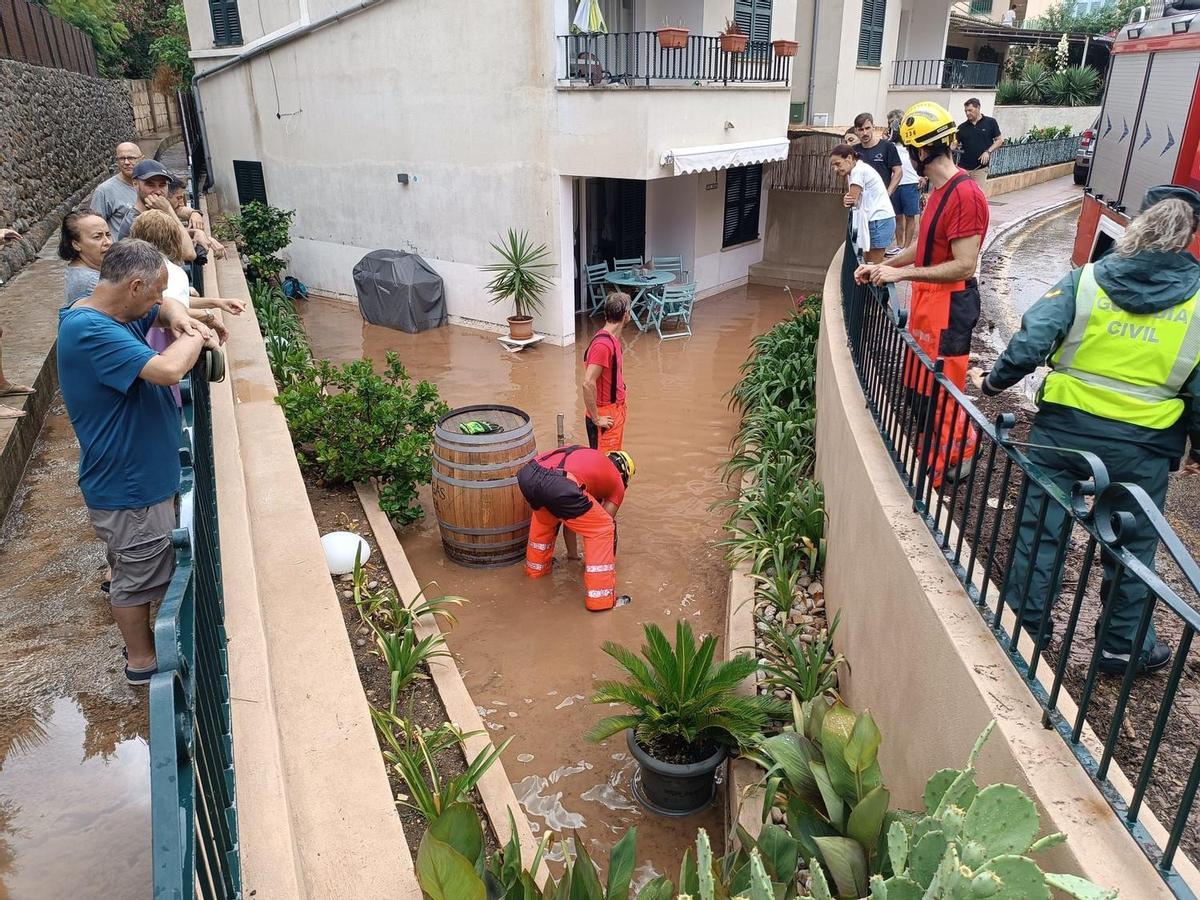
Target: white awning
point(724, 156)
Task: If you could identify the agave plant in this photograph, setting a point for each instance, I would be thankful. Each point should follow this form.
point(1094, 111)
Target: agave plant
point(1034, 82)
point(680, 696)
point(522, 275)
point(1074, 86)
point(1008, 92)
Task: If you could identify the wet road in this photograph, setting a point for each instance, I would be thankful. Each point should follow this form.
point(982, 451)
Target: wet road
point(74, 768)
point(529, 651)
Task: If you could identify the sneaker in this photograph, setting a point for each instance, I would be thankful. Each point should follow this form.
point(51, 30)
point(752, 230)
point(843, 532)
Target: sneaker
point(140, 676)
point(1116, 663)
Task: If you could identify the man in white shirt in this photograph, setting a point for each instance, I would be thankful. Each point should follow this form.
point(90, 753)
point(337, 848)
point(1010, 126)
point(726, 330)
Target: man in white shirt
point(906, 199)
point(875, 219)
point(1009, 18)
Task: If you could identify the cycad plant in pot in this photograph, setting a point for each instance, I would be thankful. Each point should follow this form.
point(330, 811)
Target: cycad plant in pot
point(520, 278)
point(687, 716)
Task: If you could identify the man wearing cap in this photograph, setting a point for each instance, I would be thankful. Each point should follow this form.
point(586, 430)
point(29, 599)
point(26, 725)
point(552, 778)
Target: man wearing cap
point(1122, 338)
point(153, 183)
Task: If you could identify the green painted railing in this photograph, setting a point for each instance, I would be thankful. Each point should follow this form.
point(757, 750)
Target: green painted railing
point(193, 808)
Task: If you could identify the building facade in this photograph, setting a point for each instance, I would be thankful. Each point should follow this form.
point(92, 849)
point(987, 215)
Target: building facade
point(434, 127)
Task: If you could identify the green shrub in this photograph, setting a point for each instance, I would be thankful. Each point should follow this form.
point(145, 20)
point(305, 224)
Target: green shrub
point(260, 231)
point(1008, 93)
point(283, 333)
point(351, 424)
point(1034, 82)
point(1074, 86)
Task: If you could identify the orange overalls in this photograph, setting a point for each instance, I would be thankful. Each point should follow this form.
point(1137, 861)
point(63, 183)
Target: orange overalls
point(941, 319)
point(557, 497)
point(612, 437)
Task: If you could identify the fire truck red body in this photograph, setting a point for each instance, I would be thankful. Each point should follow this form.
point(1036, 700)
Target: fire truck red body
point(1149, 129)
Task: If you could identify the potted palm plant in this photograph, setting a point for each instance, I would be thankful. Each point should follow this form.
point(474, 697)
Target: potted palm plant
point(686, 716)
point(672, 37)
point(522, 279)
point(733, 39)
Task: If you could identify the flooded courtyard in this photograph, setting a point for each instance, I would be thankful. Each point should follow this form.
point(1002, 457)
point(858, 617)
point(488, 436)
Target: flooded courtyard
point(528, 650)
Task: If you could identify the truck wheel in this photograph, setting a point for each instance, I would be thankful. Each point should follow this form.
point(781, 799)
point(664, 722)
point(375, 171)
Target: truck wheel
point(1080, 175)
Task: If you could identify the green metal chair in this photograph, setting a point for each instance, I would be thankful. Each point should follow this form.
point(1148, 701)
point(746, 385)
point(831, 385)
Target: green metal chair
point(674, 303)
point(671, 264)
point(625, 265)
point(597, 287)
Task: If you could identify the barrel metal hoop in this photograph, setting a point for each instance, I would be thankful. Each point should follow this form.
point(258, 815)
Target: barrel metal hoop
point(480, 548)
point(482, 483)
point(483, 532)
point(486, 467)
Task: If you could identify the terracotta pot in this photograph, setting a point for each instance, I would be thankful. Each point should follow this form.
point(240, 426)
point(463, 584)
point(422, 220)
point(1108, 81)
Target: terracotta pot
point(672, 38)
point(670, 789)
point(784, 48)
point(520, 328)
point(734, 43)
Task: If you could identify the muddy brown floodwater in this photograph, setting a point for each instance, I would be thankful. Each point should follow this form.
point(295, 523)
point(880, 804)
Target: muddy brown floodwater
point(529, 651)
point(74, 761)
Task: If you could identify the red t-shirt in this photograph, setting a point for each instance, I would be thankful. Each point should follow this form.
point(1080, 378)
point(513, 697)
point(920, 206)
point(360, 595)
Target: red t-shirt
point(594, 471)
point(605, 351)
point(964, 215)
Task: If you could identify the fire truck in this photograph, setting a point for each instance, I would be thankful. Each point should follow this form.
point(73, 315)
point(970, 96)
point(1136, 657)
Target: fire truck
point(1149, 128)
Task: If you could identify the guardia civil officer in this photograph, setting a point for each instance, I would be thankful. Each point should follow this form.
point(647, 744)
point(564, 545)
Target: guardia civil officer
point(1122, 336)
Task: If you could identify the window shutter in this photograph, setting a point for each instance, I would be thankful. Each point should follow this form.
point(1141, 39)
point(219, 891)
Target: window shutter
point(226, 22)
point(870, 32)
point(248, 174)
point(981, 7)
point(743, 196)
point(631, 207)
point(735, 180)
point(753, 17)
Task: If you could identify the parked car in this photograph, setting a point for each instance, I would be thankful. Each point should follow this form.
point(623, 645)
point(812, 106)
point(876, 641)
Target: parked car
point(1083, 155)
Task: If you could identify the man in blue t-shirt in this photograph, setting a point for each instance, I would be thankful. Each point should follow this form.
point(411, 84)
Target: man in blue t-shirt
point(116, 390)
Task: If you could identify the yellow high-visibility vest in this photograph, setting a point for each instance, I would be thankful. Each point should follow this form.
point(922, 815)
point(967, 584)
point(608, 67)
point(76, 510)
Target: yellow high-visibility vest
point(1124, 366)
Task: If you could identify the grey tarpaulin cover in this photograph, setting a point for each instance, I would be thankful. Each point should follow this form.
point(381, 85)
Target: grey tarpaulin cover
point(399, 290)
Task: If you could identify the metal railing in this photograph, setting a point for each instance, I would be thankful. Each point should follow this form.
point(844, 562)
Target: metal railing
point(193, 807)
point(1010, 158)
point(635, 58)
point(944, 73)
point(975, 513)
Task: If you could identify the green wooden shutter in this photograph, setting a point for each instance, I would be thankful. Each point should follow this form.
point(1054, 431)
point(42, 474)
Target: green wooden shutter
point(248, 174)
point(226, 22)
point(754, 18)
point(631, 208)
point(983, 7)
point(870, 32)
point(743, 195)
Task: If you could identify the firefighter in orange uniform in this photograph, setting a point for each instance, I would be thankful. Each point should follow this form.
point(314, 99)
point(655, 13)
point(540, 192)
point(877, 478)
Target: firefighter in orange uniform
point(581, 489)
point(941, 266)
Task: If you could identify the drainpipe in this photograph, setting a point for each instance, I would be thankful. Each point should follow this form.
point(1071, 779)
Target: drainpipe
point(812, 62)
point(257, 50)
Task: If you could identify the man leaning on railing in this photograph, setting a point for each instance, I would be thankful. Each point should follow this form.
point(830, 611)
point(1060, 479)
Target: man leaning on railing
point(1122, 336)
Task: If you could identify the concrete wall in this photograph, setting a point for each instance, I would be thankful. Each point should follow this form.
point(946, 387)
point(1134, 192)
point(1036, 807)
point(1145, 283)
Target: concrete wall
point(803, 231)
point(154, 111)
point(923, 662)
point(903, 98)
point(57, 133)
point(1016, 121)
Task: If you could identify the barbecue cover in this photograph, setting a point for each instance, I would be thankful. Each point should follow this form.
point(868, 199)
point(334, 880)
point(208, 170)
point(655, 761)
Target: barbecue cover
point(399, 290)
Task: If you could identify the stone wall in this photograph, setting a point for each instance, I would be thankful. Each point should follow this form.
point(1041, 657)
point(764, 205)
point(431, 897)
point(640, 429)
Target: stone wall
point(57, 133)
point(154, 111)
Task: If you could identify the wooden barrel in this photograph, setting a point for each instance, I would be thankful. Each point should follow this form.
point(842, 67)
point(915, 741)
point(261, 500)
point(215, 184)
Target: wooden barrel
point(482, 515)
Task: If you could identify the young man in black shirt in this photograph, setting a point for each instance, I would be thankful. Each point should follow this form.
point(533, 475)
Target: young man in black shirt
point(978, 137)
point(880, 155)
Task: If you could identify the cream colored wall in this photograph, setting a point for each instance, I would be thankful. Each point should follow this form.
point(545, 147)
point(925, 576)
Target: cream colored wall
point(952, 100)
point(719, 269)
point(1017, 120)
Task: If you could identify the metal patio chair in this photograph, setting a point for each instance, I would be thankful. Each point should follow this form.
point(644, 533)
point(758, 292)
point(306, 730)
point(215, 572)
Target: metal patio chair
point(674, 303)
point(626, 265)
point(597, 287)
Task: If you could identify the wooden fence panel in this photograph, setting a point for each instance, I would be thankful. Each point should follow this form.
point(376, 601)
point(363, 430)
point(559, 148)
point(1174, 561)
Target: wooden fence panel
point(30, 34)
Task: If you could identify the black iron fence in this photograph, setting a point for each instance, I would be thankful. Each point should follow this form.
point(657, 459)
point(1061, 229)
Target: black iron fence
point(30, 34)
point(944, 73)
point(1011, 158)
point(975, 487)
point(636, 58)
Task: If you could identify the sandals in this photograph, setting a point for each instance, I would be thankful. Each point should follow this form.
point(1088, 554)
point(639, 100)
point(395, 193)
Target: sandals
point(17, 390)
point(8, 412)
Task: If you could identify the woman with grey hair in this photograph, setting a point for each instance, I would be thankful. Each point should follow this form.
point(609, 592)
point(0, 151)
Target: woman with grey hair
point(1123, 341)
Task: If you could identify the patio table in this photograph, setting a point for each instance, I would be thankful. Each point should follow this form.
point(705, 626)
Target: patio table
point(641, 284)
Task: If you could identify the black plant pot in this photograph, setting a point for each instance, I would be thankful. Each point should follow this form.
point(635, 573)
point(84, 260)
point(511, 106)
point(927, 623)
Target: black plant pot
point(670, 789)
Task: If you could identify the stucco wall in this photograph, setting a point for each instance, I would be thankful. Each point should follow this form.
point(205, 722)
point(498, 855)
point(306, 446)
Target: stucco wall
point(898, 98)
point(923, 661)
point(57, 133)
point(803, 231)
point(1015, 121)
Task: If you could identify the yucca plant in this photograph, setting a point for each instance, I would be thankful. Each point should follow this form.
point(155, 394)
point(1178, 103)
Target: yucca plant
point(411, 750)
point(1008, 92)
point(682, 698)
point(1074, 86)
point(807, 671)
point(1034, 82)
point(522, 275)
